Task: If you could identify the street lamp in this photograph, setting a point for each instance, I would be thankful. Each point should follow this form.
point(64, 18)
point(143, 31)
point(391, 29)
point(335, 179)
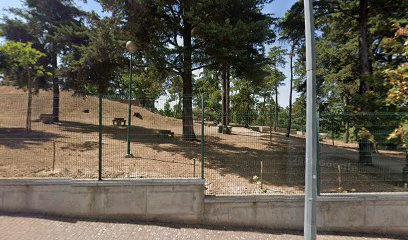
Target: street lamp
point(131, 47)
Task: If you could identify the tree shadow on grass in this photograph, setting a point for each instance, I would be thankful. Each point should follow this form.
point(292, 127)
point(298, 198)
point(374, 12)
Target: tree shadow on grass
point(17, 138)
point(80, 146)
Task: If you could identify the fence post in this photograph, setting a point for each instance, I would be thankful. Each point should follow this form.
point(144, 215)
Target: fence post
point(202, 136)
point(53, 156)
point(100, 139)
point(318, 155)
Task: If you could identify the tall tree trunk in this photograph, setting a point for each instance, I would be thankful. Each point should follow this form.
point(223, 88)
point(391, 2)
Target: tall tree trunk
point(270, 119)
point(347, 123)
point(347, 133)
point(248, 117)
point(29, 104)
point(263, 112)
point(228, 97)
point(363, 48)
point(224, 97)
point(55, 90)
point(291, 90)
point(188, 127)
point(365, 152)
point(276, 103)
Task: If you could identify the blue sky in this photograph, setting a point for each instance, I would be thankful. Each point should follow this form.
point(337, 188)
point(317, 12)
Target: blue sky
point(277, 8)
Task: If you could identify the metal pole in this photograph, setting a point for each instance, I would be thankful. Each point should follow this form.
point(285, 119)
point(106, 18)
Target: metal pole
point(100, 139)
point(128, 153)
point(311, 128)
point(53, 156)
point(202, 136)
point(194, 169)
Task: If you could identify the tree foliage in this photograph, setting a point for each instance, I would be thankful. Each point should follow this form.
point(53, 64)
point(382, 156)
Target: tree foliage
point(39, 22)
point(21, 64)
point(20, 59)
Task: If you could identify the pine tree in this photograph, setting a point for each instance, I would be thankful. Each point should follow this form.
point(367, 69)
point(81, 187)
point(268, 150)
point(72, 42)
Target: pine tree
point(291, 33)
point(276, 59)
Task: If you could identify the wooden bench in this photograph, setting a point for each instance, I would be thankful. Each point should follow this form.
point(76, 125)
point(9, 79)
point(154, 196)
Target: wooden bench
point(119, 122)
point(46, 118)
point(165, 134)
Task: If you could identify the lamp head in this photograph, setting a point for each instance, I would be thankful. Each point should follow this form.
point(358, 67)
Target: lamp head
point(131, 46)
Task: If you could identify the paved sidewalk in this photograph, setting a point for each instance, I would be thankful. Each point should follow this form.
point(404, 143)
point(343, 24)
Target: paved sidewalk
point(20, 227)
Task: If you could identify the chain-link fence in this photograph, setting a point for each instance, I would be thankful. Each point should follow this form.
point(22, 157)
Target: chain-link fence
point(70, 147)
point(245, 152)
point(254, 157)
point(363, 152)
point(154, 146)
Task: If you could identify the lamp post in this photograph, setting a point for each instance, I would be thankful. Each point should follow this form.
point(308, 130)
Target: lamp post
point(311, 127)
point(131, 47)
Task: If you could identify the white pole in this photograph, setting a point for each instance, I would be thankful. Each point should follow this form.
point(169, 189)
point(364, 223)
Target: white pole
point(311, 127)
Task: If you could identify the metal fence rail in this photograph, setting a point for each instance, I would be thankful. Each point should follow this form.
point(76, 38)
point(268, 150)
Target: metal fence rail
point(252, 155)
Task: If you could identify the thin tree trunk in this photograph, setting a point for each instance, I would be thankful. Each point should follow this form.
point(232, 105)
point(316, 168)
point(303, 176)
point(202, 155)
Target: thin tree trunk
point(188, 127)
point(224, 98)
point(363, 47)
point(263, 113)
point(248, 123)
point(276, 102)
point(228, 97)
point(347, 133)
point(270, 119)
point(29, 104)
point(365, 152)
point(55, 91)
point(291, 90)
point(347, 123)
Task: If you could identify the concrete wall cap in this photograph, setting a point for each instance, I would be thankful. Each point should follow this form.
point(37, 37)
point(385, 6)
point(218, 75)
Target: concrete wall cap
point(254, 198)
point(141, 181)
point(108, 182)
point(34, 181)
point(362, 197)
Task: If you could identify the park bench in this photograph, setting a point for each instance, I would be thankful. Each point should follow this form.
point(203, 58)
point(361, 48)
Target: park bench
point(119, 122)
point(165, 133)
point(46, 118)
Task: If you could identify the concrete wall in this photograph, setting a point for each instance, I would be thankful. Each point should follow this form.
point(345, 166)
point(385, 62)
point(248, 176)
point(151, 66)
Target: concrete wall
point(370, 213)
point(183, 201)
point(166, 200)
point(255, 211)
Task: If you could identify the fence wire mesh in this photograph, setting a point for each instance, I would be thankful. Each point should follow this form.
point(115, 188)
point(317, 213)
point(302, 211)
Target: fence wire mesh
point(251, 154)
point(157, 148)
point(362, 152)
point(254, 157)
